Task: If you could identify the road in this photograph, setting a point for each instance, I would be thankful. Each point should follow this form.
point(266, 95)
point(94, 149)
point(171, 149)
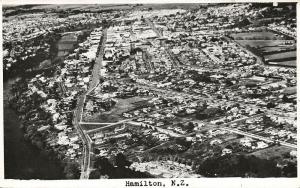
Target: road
point(212, 57)
point(171, 133)
point(85, 169)
point(236, 131)
point(173, 93)
point(259, 59)
point(198, 97)
point(243, 119)
point(62, 87)
point(251, 135)
point(107, 126)
point(143, 153)
point(175, 62)
point(147, 59)
point(159, 129)
point(93, 123)
point(85, 140)
point(94, 82)
point(98, 63)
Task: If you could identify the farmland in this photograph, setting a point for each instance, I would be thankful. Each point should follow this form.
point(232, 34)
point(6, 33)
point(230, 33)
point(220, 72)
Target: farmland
point(270, 49)
point(115, 113)
point(284, 63)
point(269, 152)
point(263, 35)
point(267, 43)
point(274, 49)
point(283, 55)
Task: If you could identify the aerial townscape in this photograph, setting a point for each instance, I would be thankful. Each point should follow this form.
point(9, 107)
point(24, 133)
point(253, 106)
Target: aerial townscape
point(150, 90)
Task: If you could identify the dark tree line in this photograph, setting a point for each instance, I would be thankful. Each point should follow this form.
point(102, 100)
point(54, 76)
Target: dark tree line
point(105, 167)
point(244, 166)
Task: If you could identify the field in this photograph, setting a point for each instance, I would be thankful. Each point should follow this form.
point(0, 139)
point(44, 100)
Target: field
point(271, 152)
point(285, 63)
point(99, 7)
point(66, 43)
point(115, 114)
point(281, 55)
point(264, 35)
point(91, 7)
point(282, 59)
point(279, 47)
point(91, 126)
point(267, 44)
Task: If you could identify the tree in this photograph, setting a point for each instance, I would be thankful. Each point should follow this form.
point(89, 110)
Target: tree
point(105, 23)
point(190, 126)
point(290, 170)
point(271, 105)
point(243, 23)
point(96, 151)
point(96, 174)
point(285, 99)
point(72, 171)
point(183, 142)
point(238, 165)
point(207, 113)
point(121, 161)
point(104, 165)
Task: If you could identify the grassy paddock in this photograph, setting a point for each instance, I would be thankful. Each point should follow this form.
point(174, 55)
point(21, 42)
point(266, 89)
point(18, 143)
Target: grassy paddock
point(264, 35)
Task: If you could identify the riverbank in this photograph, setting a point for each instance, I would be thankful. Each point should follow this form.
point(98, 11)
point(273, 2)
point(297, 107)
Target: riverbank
point(22, 159)
point(27, 153)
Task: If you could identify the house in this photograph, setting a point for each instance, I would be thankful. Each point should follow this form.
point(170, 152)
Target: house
point(163, 137)
point(246, 142)
point(293, 153)
point(226, 151)
point(261, 145)
point(215, 142)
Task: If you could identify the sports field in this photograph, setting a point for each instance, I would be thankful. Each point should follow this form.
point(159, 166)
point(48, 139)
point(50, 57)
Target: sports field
point(283, 55)
point(270, 46)
point(263, 35)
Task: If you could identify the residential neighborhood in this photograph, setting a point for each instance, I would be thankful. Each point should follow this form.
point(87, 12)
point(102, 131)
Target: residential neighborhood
point(145, 91)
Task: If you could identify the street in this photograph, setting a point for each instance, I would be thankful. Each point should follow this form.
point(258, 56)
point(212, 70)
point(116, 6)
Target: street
point(85, 170)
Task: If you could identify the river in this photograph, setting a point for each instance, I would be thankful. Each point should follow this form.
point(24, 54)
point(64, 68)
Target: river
point(22, 160)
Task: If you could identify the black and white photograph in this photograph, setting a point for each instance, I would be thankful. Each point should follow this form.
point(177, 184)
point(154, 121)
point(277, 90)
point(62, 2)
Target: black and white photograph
point(149, 91)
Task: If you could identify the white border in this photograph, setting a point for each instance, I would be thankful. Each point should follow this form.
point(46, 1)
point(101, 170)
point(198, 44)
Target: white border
point(116, 183)
point(193, 183)
point(1, 103)
point(19, 2)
